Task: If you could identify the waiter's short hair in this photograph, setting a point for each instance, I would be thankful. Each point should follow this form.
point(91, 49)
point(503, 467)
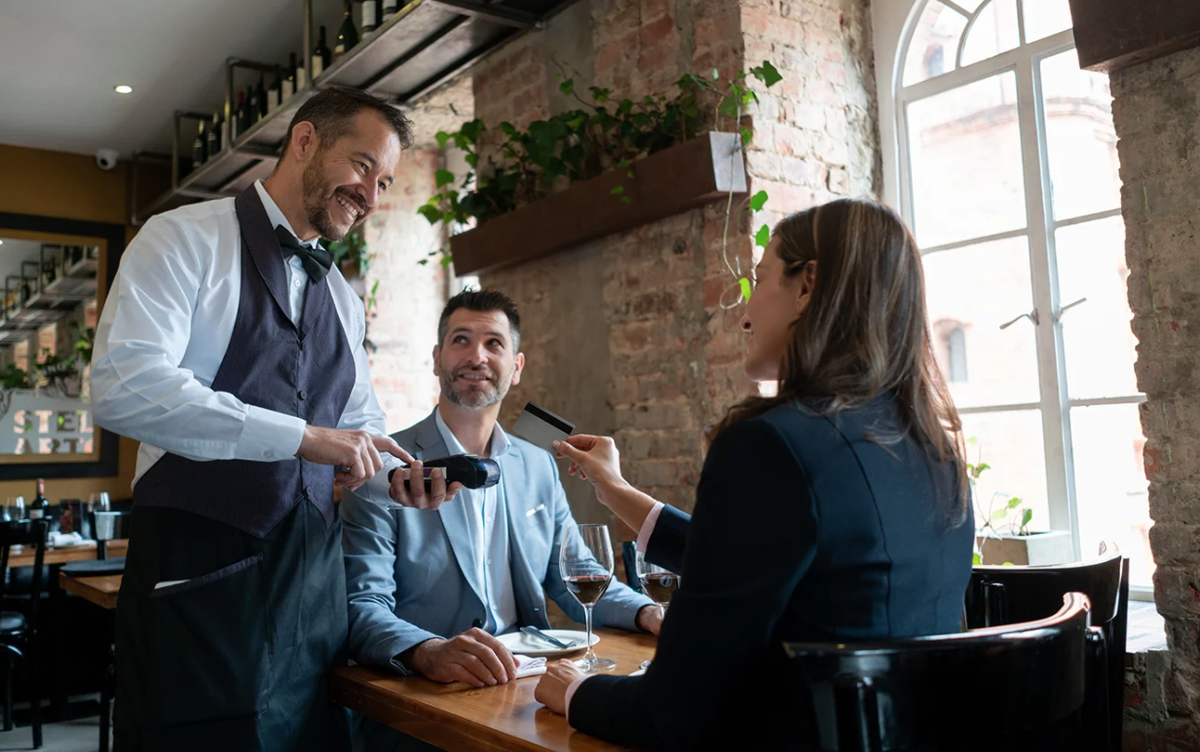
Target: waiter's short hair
point(482, 301)
point(332, 111)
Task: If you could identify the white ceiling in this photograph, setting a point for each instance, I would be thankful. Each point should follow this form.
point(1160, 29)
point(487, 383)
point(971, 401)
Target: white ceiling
point(60, 59)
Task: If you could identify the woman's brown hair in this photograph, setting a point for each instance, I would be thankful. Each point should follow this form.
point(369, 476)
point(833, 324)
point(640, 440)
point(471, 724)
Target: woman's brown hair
point(865, 331)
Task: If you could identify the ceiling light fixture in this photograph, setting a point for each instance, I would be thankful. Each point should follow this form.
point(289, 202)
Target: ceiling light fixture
point(123, 89)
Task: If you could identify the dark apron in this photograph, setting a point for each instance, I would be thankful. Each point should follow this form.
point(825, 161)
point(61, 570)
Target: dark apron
point(237, 657)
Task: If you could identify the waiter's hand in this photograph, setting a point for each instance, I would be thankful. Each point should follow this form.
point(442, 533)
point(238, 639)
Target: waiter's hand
point(354, 453)
point(411, 492)
point(474, 657)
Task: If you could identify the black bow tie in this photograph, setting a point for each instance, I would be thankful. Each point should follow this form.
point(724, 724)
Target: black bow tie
point(316, 261)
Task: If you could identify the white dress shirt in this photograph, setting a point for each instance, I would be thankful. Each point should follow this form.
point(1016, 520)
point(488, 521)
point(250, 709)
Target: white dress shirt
point(488, 527)
point(164, 331)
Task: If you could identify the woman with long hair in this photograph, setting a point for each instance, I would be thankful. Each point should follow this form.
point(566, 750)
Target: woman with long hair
point(833, 511)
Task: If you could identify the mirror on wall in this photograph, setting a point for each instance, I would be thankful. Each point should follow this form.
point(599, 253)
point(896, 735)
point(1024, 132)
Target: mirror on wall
point(52, 284)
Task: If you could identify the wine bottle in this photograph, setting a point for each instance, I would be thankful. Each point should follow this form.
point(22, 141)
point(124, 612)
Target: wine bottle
point(37, 509)
point(289, 81)
point(239, 124)
point(320, 56)
point(214, 136)
point(347, 36)
point(260, 94)
point(252, 108)
point(389, 8)
point(276, 90)
point(200, 147)
point(370, 15)
point(301, 75)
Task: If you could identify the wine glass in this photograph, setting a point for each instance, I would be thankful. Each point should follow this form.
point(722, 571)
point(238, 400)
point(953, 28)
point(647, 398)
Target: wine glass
point(14, 508)
point(586, 564)
point(657, 582)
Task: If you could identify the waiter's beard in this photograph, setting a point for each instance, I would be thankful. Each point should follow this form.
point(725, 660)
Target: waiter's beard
point(474, 399)
point(317, 195)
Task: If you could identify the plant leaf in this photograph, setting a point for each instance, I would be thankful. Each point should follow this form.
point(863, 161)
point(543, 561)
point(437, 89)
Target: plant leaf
point(716, 75)
point(745, 285)
point(763, 236)
point(758, 200)
point(1008, 564)
point(999, 515)
point(1026, 516)
point(766, 73)
point(624, 199)
point(442, 138)
point(747, 135)
point(728, 107)
point(568, 86)
point(443, 177)
point(431, 213)
point(1014, 502)
point(618, 190)
point(976, 559)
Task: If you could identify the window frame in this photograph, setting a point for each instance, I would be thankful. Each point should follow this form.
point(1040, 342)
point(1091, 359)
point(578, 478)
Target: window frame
point(894, 24)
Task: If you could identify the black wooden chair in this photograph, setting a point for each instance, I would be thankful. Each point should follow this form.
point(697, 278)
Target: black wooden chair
point(629, 557)
point(18, 632)
point(105, 526)
point(1019, 687)
point(1006, 595)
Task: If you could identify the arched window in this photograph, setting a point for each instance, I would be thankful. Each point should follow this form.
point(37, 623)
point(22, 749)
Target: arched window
point(1000, 153)
point(950, 346)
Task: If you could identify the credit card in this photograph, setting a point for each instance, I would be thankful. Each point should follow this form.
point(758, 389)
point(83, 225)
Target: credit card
point(542, 428)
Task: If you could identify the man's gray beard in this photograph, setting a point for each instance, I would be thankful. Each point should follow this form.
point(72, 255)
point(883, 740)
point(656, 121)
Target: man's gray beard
point(478, 401)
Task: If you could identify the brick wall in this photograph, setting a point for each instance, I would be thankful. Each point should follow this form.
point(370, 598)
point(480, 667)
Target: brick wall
point(409, 299)
point(1157, 120)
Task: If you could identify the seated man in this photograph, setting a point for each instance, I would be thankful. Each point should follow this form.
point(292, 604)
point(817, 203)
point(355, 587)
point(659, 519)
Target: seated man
point(428, 589)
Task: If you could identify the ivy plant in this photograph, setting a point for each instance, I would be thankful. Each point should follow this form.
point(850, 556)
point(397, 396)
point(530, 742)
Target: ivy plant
point(1012, 510)
point(602, 133)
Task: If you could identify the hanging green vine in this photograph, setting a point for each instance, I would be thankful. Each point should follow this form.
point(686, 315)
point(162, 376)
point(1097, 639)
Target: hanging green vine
point(600, 135)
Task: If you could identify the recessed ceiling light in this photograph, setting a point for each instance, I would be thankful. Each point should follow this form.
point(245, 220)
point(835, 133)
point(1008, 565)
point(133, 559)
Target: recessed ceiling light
point(123, 89)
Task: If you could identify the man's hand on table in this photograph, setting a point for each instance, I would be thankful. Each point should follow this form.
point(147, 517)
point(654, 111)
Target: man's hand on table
point(552, 687)
point(473, 657)
point(649, 619)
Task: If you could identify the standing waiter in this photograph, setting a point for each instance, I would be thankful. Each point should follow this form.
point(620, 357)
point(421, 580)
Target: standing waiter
point(234, 352)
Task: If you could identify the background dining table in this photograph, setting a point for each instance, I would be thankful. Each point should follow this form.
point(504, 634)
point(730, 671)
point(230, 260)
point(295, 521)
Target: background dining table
point(459, 718)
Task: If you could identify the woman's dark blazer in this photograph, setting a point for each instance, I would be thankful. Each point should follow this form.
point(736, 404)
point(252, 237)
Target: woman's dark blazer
point(805, 528)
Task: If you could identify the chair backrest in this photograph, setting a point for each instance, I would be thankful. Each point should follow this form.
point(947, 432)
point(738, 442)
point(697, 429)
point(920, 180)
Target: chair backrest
point(30, 533)
point(1003, 688)
point(1007, 595)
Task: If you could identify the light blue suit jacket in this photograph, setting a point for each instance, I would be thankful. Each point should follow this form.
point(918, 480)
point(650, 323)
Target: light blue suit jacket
point(410, 573)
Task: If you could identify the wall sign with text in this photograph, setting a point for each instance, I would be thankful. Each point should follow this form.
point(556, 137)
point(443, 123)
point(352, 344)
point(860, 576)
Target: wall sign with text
point(33, 423)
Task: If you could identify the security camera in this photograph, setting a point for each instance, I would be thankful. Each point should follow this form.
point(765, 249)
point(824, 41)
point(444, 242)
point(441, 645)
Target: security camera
point(106, 159)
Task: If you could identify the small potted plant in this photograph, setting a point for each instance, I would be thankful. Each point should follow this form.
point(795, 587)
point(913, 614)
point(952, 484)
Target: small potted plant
point(1003, 537)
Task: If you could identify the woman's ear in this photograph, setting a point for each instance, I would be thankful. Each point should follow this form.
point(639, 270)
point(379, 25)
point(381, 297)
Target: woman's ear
point(807, 279)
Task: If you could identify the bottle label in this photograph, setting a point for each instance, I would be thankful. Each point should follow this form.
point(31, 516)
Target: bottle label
point(272, 101)
point(36, 514)
point(339, 49)
point(287, 91)
point(301, 79)
point(368, 15)
point(389, 8)
point(318, 64)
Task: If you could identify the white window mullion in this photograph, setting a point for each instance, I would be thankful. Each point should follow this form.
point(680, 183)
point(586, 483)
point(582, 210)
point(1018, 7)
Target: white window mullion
point(1056, 426)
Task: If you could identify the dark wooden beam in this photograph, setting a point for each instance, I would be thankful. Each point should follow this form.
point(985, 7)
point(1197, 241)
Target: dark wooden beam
point(670, 182)
point(1115, 34)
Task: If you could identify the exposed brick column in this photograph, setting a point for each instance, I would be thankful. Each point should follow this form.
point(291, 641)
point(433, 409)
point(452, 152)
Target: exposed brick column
point(1157, 120)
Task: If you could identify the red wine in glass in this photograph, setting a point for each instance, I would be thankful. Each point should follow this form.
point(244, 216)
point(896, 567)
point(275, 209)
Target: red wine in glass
point(588, 588)
point(586, 565)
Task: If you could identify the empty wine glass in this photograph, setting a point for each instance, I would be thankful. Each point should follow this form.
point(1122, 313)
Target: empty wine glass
point(658, 583)
point(14, 508)
point(586, 565)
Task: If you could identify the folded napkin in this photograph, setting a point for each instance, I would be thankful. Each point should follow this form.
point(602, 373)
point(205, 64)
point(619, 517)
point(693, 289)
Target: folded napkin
point(528, 666)
point(65, 539)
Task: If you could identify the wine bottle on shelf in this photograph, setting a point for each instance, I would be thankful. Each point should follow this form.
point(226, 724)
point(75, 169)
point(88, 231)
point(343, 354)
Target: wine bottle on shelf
point(260, 95)
point(301, 75)
point(39, 505)
point(214, 136)
point(347, 35)
point(239, 124)
point(200, 147)
point(252, 108)
point(275, 91)
point(389, 9)
point(289, 81)
point(370, 15)
point(320, 56)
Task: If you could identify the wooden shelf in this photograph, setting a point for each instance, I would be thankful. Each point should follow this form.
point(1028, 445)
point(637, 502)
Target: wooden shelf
point(672, 181)
point(424, 45)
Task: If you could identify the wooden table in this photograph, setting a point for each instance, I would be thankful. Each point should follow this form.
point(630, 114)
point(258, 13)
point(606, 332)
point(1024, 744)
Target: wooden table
point(456, 717)
point(100, 590)
point(22, 556)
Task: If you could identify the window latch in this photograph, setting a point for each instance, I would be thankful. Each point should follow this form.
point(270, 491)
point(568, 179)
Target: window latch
point(1032, 316)
point(1068, 307)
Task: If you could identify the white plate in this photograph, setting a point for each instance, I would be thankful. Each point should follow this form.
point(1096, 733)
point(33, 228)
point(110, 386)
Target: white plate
point(519, 642)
